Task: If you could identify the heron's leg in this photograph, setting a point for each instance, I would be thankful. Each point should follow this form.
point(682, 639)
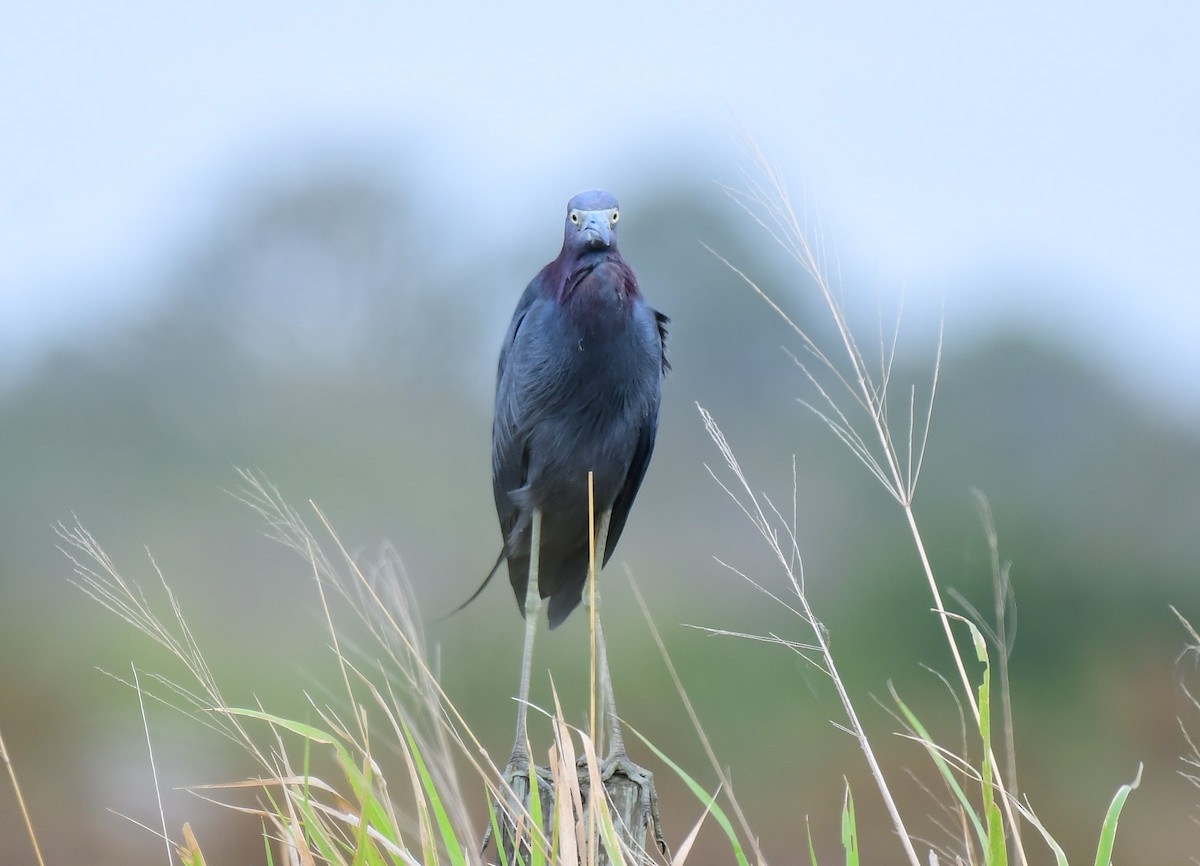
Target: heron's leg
point(520, 773)
point(618, 759)
point(520, 759)
point(591, 599)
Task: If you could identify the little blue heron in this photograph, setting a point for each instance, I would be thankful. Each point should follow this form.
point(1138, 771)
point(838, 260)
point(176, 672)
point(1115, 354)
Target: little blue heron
point(577, 391)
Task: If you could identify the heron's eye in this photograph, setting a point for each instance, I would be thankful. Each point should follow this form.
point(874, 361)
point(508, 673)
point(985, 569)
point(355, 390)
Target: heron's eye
point(615, 216)
point(575, 217)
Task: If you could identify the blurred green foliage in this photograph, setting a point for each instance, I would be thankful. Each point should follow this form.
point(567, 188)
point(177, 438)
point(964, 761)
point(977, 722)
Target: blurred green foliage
point(324, 336)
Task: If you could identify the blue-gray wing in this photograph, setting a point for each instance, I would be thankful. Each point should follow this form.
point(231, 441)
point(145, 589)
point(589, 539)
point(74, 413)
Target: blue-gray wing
point(508, 449)
point(642, 451)
point(510, 458)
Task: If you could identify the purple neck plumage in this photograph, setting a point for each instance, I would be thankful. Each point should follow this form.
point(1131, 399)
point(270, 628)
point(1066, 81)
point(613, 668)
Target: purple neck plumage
point(568, 274)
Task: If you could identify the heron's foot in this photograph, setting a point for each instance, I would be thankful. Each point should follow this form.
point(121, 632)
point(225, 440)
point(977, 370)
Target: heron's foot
point(516, 773)
point(619, 764)
point(515, 795)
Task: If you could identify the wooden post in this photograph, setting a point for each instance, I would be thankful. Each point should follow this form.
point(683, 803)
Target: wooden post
point(630, 804)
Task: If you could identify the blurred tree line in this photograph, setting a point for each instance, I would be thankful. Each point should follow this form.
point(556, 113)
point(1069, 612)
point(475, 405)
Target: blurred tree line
point(322, 334)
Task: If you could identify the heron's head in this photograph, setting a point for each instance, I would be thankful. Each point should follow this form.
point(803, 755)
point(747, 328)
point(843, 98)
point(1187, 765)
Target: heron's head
point(591, 221)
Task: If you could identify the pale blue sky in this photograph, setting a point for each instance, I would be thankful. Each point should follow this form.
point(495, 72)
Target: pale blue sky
point(1024, 161)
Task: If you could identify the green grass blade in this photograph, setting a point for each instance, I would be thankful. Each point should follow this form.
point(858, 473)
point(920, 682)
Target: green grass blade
point(537, 853)
point(849, 829)
point(314, 831)
point(309, 732)
point(608, 834)
point(1108, 833)
point(270, 857)
point(495, 822)
point(944, 769)
point(1060, 856)
point(996, 850)
point(302, 729)
point(708, 801)
point(372, 812)
point(454, 848)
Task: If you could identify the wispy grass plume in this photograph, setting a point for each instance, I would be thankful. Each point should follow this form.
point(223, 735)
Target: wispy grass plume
point(886, 424)
point(384, 772)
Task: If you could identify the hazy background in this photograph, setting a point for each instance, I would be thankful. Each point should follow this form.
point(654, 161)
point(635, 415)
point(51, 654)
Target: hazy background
point(291, 239)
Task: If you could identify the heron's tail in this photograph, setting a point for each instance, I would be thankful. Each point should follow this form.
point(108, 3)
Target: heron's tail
point(482, 587)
